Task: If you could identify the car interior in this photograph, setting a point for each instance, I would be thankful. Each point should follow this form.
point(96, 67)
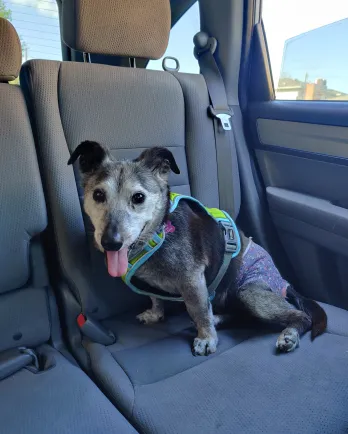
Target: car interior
point(73, 358)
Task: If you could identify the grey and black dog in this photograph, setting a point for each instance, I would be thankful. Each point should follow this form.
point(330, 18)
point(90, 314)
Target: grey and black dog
point(127, 201)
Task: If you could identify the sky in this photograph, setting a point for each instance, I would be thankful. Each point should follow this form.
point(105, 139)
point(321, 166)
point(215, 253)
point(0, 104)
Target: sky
point(284, 19)
point(180, 43)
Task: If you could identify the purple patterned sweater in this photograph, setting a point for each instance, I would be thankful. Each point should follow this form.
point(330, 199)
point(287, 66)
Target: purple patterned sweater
point(258, 266)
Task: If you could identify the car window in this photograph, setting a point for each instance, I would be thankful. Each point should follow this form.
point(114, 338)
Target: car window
point(37, 25)
point(180, 43)
point(307, 47)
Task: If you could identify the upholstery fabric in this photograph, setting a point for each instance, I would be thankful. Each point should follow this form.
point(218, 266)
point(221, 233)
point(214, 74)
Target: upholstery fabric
point(337, 320)
point(61, 400)
point(10, 52)
point(53, 151)
point(24, 318)
point(200, 140)
point(24, 217)
point(133, 28)
point(245, 387)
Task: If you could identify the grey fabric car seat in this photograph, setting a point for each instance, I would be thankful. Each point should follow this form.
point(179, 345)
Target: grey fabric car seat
point(41, 391)
point(149, 372)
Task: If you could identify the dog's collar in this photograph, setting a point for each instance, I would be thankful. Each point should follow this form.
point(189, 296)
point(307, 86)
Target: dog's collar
point(232, 248)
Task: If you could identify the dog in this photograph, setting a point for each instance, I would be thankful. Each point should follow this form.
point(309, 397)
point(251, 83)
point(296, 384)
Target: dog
point(128, 201)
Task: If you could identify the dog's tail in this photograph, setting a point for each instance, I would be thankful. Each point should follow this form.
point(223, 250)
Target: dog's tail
point(311, 308)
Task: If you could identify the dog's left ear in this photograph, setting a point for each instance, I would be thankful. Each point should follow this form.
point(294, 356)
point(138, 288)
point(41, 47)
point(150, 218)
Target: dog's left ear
point(91, 156)
point(159, 159)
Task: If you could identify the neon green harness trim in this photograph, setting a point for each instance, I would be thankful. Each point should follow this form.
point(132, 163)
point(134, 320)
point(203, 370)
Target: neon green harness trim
point(232, 248)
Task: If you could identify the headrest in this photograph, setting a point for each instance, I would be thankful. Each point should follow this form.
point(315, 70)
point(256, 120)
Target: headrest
point(131, 28)
point(10, 52)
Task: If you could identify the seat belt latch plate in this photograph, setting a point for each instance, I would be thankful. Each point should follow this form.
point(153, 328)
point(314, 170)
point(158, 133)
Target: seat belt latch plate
point(223, 116)
point(225, 121)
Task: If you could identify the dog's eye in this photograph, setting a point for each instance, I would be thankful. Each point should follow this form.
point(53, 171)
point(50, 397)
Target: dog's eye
point(99, 195)
point(138, 198)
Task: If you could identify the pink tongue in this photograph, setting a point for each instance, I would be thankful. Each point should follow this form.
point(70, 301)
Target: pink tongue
point(117, 262)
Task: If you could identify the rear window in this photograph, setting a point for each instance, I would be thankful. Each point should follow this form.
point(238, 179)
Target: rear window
point(180, 43)
point(37, 25)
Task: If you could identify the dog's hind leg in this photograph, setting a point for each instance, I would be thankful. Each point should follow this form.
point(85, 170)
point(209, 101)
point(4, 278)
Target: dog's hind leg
point(272, 308)
point(153, 315)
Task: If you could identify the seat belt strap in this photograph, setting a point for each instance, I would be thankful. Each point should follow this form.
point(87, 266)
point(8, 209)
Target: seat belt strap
point(221, 113)
point(12, 361)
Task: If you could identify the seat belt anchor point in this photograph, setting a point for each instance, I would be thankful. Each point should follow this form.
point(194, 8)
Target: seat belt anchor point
point(203, 43)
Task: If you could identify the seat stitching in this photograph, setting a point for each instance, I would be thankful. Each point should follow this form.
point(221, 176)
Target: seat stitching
point(129, 379)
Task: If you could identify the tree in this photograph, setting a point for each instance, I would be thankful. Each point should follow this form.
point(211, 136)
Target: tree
point(4, 12)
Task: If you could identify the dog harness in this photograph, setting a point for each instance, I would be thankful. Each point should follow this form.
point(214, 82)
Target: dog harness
point(232, 248)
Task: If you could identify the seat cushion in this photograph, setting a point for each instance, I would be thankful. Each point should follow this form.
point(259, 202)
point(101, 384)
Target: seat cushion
point(246, 387)
point(58, 401)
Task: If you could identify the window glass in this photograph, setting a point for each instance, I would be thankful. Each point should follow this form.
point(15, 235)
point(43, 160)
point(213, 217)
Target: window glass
point(307, 42)
point(37, 25)
point(180, 43)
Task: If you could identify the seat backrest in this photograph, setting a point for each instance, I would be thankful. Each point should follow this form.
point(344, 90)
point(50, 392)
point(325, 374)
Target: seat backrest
point(24, 318)
point(125, 109)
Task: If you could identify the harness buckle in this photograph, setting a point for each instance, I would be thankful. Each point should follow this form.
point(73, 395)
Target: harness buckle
point(230, 237)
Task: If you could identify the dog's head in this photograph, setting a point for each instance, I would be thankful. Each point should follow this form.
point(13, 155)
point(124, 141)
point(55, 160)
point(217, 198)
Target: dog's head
point(125, 200)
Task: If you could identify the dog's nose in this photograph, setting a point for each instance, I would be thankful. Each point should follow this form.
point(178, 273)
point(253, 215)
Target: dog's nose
point(111, 246)
point(111, 242)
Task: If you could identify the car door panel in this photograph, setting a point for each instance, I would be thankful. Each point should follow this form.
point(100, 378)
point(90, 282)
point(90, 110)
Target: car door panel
point(301, 150)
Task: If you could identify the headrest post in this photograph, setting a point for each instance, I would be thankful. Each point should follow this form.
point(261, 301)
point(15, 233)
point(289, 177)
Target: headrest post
point(132, 62)
point(87, 58)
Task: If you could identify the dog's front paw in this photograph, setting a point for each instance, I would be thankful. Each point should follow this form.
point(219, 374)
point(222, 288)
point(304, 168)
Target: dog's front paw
point(204, 347)
point(288, 340)
point(150, 317)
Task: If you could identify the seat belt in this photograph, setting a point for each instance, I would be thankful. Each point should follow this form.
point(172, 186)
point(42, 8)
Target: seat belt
point(226, 155)
point(12, 361)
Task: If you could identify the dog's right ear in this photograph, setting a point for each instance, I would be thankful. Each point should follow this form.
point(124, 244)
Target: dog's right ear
point(91, 156)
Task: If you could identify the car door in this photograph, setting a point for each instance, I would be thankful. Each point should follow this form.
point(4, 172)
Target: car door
point(298, 134)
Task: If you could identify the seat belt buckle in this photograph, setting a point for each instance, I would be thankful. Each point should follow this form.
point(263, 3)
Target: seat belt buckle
point(95, 331)
point(223, 116)
point(230, 237)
